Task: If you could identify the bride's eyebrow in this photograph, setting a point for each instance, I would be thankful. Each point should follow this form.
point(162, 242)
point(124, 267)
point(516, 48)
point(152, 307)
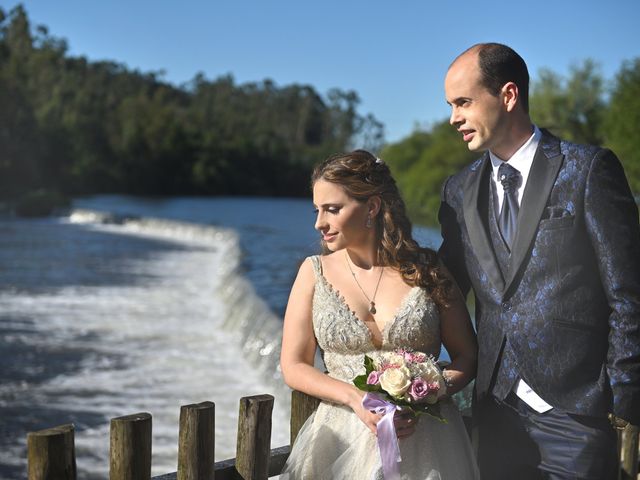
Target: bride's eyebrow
point(327, 205)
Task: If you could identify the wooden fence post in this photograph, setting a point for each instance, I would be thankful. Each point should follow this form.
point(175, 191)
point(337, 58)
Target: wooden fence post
point(254, 437)
point(130, 448)
point(51, 454)
point(629, 452)
point(196, 443)
point(302, 406)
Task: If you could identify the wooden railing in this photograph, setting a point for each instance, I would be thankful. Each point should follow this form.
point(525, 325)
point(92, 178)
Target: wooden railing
point(51, 452)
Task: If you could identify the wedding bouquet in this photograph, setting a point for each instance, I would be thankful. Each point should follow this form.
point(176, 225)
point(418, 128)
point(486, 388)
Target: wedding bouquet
point(408, 379)
point(399, 380)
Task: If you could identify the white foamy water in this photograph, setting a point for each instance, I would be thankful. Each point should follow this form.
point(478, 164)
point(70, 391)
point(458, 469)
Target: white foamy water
point(171, 334)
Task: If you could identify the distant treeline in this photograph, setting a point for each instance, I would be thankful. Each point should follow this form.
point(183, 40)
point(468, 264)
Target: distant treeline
point(80, 127)
point(582, 108)
point(77, 126)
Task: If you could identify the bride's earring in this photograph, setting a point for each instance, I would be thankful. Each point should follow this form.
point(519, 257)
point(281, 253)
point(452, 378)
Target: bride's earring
point(369, 222)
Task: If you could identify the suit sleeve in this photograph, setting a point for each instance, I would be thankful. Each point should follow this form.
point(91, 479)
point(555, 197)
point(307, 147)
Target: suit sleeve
point(451, 251)
point(611, 218)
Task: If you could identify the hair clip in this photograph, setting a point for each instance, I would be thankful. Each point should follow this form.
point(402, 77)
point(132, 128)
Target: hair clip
point(379, 161)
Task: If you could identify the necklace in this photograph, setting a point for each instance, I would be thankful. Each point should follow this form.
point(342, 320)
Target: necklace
point(372, 300)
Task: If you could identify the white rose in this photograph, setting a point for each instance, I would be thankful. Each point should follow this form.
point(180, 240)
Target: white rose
point(436, 377)
point(396, 381)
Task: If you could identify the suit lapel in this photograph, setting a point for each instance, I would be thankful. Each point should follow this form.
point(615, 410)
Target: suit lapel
point(473, 217)
point(544, 170)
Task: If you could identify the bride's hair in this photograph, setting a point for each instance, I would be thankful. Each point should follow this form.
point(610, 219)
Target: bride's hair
point(362, 175)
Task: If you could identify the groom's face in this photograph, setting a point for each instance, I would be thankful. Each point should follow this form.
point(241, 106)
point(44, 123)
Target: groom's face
point(475, 112)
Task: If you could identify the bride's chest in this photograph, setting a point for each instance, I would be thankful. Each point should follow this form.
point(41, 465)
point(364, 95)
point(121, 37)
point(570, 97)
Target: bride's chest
point(416, 325)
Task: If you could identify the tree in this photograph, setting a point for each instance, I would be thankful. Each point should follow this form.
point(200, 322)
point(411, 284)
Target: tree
point(94, 127)
point(623, 118)
point(421, 164)
point(571, 108)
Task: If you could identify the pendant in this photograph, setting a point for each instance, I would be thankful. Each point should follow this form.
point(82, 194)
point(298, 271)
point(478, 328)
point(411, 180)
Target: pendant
point(372, 308)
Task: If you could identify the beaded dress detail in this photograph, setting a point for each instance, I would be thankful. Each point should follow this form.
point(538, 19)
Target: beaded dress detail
point(334, 443)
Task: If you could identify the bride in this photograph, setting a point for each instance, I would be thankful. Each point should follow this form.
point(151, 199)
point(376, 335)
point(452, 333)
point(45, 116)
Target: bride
point(373, 290)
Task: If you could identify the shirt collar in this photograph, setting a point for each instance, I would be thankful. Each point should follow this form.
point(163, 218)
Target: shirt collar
point(523, 158)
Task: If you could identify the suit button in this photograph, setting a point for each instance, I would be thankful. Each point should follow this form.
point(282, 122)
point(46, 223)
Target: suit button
point(506, 306)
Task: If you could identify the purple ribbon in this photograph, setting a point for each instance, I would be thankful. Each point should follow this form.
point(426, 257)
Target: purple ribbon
point(387, 438)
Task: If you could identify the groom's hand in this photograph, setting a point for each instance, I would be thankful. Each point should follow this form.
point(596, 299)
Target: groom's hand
point(405, 423)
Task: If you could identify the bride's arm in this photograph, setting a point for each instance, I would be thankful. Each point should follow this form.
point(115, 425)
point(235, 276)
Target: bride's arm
point(459, 339)
point(298, 352)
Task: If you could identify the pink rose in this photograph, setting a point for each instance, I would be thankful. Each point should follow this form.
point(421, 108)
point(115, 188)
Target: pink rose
point(373, 378)
point(419, 389)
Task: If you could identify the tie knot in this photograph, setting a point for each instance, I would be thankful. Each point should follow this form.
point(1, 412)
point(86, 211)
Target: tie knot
point(509, 177)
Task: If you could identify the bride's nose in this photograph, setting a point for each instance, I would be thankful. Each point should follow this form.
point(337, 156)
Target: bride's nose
point(321, 223)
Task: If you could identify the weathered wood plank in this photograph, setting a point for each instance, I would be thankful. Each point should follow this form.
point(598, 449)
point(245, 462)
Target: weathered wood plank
point(196, 442)
point(226, 469)
point(254, 437)
point(629, 452)
point(51, 454)
point(130, 447)
point(302, 406)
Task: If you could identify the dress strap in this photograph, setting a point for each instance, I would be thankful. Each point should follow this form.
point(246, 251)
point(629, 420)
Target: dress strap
point(317, 266)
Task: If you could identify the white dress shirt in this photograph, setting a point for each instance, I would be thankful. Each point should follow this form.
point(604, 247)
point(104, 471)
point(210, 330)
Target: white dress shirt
point(521, 161)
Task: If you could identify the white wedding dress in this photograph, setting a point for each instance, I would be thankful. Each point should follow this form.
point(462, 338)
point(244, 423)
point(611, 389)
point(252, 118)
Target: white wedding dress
point(333, 443)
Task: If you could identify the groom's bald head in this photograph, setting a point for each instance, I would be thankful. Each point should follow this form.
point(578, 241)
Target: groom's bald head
point(498, 65)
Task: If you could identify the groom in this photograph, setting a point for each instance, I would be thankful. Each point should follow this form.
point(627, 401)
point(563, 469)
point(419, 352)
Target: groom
point(546, 234)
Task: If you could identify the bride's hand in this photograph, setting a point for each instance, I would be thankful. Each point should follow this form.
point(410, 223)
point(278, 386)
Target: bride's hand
point(405, 423)
point(367, 417)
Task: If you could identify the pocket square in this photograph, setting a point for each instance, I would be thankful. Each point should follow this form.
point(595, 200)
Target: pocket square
point(555, 212)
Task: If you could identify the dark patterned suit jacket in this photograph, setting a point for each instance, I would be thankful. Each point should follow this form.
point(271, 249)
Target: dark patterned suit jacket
point(570, 301)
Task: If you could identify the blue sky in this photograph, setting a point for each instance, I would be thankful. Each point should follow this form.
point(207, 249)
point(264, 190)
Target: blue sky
point(394, 54)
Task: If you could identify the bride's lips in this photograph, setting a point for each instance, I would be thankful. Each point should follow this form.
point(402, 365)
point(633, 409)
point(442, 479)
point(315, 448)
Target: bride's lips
point(328, 237)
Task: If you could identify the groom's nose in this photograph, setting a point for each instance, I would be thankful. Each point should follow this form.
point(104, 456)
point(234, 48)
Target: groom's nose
point(455, 118)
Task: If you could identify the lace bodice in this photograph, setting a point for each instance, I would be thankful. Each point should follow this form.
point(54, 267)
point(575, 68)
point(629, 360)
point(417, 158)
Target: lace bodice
point(344, 339)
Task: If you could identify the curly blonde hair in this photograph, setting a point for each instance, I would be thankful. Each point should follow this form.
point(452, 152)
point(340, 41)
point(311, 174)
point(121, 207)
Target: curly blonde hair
point(362, 175)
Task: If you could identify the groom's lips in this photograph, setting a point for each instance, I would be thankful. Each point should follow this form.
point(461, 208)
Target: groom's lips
point(467, 135)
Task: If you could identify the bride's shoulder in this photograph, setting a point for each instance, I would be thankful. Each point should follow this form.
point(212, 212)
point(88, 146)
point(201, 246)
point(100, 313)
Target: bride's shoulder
point(330, 264)
point(317, 264)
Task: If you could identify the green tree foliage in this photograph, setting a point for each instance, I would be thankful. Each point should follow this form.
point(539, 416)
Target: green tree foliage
point(623, 119)
point(76, 126)
point(573, 108)
point(422, 162)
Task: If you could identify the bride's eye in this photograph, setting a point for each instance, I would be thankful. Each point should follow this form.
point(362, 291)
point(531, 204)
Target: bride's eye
point(333, 210)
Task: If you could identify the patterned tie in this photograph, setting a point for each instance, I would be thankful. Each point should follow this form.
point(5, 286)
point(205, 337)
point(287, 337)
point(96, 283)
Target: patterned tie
point(510, 179)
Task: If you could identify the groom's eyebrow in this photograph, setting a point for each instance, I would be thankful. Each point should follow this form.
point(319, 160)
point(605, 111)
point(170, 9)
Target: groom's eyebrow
point(457, 101)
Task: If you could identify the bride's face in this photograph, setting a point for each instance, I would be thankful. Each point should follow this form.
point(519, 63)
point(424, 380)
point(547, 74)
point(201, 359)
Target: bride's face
point(341, 219)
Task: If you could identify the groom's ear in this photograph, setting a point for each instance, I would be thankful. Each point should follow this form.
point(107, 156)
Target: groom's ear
point(510, 96)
